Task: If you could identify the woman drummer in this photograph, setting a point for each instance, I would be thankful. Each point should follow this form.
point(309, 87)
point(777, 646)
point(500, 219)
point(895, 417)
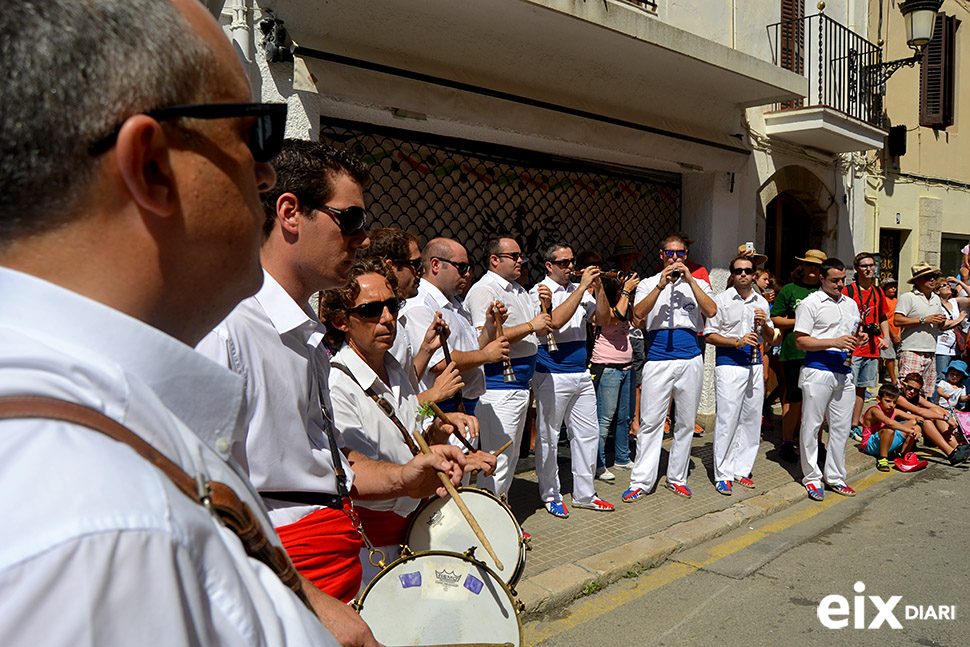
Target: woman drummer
point(361, 322)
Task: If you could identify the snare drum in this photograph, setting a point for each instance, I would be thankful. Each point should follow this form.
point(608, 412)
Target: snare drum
point(440, 525)
point(440, 598)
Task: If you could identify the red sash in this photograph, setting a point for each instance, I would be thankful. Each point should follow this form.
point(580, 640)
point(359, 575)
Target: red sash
point(383, 528)
point(325, 547)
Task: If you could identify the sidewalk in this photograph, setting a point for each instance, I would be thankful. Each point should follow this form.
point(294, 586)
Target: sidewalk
point(594, 549)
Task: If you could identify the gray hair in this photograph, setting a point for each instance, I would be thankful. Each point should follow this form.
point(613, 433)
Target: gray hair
point(71, 72)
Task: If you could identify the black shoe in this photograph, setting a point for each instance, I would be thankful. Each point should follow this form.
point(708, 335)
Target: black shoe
point(959, 455)
point(788, 453)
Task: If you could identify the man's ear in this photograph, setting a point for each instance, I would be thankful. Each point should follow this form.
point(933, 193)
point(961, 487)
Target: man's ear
point(142, 155)
point(339, 322)
point(289, 212)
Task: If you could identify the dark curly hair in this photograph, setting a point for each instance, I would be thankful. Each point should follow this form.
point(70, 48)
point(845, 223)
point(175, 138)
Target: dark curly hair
point(338, 301)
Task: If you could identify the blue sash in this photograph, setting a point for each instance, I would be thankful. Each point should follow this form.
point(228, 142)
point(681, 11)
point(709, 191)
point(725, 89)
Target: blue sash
point(524, 368)
point(735, 356)
point(570, 358)
point(832, 361)
point(448, 406)
point(672, 343)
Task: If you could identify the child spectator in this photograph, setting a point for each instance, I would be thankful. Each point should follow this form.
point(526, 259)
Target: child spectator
point(890, 288)
point(938, 425)
point(882, 434)
point(951, 390)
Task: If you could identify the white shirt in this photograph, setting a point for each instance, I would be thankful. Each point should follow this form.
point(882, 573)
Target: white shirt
point(419, 312)
point(575, 328)
point(953, 395)
point(97, 546)
point(520, 306)
point(276, 345)
point(676, 306)
point(735, 315)
point(364, 427)
point(822, 317)
point(920, 338)
point(946, 343)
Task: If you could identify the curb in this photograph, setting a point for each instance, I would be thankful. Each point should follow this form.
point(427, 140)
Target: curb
point(556, 587)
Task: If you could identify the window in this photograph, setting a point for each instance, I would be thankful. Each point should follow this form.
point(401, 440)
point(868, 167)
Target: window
point(937, 76)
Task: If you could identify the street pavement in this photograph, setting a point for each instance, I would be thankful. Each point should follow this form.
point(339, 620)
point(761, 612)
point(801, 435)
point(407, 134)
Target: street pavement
point(590, 550)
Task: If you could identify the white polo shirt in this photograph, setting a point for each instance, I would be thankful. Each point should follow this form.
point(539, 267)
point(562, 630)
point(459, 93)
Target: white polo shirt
point(675, 307)
point(922, 337)
point(571, 337)
point(364, 427)
point(823, 317)
point(419, 313)
point(277, 346)
point(521, 308)
point(97, 546)
point(735, 318)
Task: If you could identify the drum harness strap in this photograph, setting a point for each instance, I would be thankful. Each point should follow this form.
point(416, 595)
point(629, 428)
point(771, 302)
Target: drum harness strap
point(218, 498)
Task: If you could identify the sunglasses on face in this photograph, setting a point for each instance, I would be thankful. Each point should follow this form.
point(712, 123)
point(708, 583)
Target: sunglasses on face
point(415, 264)
point(866, 267)
point(265, 139)
point(463, 268)
point(675, 253)
point(351, 220)
point(513, 255)
point(375, 309)
point(909, 387)
point(737, 271)
point(566, 262)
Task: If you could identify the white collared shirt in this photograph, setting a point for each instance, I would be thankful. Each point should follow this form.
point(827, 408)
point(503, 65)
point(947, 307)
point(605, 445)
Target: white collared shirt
point(277, 346)
point(675, 307)
point(575, 328)
point(364, 427)
point(822, 317)
point(735, 315)
point(520, 306)
point(418, 314)
point(97, 546)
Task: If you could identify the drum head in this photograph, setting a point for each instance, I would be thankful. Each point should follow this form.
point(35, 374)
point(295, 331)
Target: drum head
point(440, 525)
point(438, 598)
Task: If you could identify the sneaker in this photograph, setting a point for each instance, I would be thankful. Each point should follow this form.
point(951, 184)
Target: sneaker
point(667, 433)
point(632, 494)
point(526, 535)
point(698, 430)
point(724, 487)
point(557, 509)
point(595, 504)
point(605, 475)
point(856, 433)
point(814, 493)
point(841, 488)
point(882, 464)
point(623, 466)
point(746, 482)
point(959, 455)
point(681, 490)
point(787, 452)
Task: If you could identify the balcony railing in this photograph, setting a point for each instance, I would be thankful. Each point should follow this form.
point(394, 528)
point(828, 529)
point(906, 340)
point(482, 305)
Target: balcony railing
point(840, 66)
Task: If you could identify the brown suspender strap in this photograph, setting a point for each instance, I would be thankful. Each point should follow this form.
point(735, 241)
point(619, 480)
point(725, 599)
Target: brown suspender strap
point(384, 406)
point(215, 496)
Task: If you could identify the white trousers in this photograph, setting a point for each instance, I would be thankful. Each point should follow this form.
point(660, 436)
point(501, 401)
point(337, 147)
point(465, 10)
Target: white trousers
point(824, 392)
point(740, 392)
point(570, 397)
point(501, 417)
point(683, 379)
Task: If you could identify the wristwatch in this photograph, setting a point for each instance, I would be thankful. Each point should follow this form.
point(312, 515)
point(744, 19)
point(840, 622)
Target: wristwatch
point(922, 320)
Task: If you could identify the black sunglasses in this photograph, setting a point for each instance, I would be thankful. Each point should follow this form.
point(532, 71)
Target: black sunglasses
point(566, 262)
point(265, 140)
point(463, 268)
point(351, 220)
point(513, 255)
point(742, 270)
point(671, 253)
point(375, 309)
point(415, 264)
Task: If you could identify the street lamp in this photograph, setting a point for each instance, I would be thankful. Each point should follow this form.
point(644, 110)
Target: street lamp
point(919, 16)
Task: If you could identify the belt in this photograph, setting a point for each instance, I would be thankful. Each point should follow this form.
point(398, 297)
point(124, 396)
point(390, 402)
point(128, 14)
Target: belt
point(307, 498)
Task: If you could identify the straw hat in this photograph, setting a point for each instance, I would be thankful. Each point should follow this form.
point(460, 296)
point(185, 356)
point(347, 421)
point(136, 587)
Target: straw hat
point(816, 256)
point(922, 269)
point(756, 258)
point(624, 246)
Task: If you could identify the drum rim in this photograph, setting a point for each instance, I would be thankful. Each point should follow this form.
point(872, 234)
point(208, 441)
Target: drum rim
point(520, 567)
point(513, 599)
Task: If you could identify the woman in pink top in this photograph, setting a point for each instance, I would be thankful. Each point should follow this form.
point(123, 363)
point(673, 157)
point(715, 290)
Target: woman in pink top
point(612, 370)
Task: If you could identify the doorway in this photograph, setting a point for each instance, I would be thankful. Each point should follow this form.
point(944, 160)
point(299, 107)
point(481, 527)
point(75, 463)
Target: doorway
point(788, 233)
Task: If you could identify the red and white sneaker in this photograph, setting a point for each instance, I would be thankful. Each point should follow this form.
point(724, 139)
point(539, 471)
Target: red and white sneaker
point(681, 490)
point(595, 504)
point(841, 488)
point(745, 481)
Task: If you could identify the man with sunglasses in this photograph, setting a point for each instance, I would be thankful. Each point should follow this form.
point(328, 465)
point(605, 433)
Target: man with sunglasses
point(826, 330)
point(447, 269)
point(562, 384)
point(919, 317)
point(314, 223)
point(737, 331)
point(127, 234)
point(503, 407)
point(674, 304)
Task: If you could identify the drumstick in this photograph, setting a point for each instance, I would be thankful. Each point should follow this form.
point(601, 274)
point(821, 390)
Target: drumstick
point(459, 404)
point(507, 374)
point(502, 448)
point(477, 529)
point(460, 436)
